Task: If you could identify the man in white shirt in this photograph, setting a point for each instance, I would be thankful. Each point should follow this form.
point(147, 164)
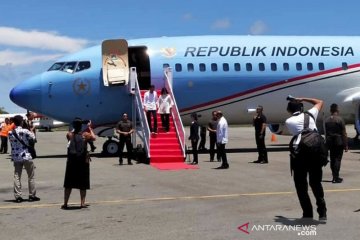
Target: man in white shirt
point(306, 165)
point(222, 139)
point(150, 100)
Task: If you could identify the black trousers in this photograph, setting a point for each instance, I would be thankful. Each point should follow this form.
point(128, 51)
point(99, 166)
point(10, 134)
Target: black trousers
point(194, 146)
point(222, 154)
point(202, 138)
point(4, 144)
point(212, 147)
point(152, 113)
point(261, 148)
point(165, 121)
point(125, 140)
point(302, 168)
point(336, 153)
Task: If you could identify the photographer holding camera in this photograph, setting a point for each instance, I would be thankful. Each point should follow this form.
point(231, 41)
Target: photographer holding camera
point(303, 165)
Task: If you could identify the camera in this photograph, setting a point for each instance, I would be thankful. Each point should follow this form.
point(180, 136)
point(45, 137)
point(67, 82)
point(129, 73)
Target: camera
point(290, 98)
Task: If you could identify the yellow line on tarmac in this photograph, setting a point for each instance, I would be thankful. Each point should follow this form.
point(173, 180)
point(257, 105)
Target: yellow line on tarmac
point(141, 200)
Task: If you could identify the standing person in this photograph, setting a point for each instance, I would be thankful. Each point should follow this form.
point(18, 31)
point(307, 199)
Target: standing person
point(212, 135)
point(77, 173)
point(202, 138)
point(306, 165)
point(150, 100)
point(222, 139)
point(194, 137)
point(20, 138)
point(5, 127)
point(336, 141)
point(259, 122)
point(165, 103)
point(29, 124)
point(125, 128)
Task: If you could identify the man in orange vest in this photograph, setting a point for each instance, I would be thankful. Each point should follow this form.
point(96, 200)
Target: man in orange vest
point(5, 127)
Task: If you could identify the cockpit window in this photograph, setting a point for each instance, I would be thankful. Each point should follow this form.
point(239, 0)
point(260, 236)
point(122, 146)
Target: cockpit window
point(69, 67)
point(82, 66)
point(56, 66)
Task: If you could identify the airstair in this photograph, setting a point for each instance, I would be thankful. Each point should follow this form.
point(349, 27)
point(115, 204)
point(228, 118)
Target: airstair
point(164, 150)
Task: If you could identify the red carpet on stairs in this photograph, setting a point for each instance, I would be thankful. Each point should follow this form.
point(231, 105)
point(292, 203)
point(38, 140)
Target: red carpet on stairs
point(165, 148)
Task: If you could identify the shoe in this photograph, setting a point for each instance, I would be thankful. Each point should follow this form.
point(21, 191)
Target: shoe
point(263, 162)
point(211, 160)
point(19, 199)
point(64, 207)
point(257, 161)
point(322, 217)
point(120, 162)
point(194, 163)
point(337, 180)
point(33, 198)
point(129, 163)
point(223, 167)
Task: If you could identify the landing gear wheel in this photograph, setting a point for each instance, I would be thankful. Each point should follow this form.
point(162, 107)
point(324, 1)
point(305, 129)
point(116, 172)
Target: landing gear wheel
point(111, 148)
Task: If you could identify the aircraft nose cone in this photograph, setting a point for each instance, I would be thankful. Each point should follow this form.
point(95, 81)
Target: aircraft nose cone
point(27, 94)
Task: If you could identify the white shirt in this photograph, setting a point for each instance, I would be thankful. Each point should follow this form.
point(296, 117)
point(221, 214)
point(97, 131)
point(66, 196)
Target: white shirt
point(19, 152)
point(222, 131)
point(150, 100)
point(295, 123)
point(165, 103)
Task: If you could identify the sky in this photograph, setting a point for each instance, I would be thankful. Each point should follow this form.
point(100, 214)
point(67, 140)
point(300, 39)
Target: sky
point(34, 33)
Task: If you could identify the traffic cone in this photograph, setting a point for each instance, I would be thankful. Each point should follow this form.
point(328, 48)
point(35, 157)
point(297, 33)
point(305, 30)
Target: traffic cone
point(273, 137)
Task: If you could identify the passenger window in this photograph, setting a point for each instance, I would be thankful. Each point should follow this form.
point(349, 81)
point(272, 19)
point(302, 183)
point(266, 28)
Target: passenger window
point(226, 67)
point(56, 66)
point(248, 67)
point(262, 67)
point(345, 66)
point(166, 65)
point(214, 67)
point(286, 67)
point(273, 66)
point(178, 67)
point(321, 66)
point(298, 66)
point(237, 67)
point(190, 67)
point(82, 66)
point(202, 67)
point(309, 66)
point(69, 67)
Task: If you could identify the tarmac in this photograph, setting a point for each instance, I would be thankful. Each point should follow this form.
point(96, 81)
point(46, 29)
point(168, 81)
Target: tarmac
point(246, 201)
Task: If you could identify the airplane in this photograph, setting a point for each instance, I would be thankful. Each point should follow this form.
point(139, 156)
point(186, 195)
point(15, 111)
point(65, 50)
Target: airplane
point(233, 74)
point(39, 121)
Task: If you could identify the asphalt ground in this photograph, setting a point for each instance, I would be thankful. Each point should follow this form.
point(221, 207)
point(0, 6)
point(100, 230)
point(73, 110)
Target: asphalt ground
point(246, 201)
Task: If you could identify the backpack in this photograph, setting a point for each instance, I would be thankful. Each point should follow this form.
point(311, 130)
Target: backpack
point(311, 143)
point(77, 145)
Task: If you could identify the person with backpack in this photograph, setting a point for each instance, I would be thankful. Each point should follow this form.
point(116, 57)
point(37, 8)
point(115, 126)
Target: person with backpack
point(77, 173)
point(336, 140)
point(302, 163)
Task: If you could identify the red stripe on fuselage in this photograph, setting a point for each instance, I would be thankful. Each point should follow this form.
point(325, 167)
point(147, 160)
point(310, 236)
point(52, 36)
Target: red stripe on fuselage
point(287, 81)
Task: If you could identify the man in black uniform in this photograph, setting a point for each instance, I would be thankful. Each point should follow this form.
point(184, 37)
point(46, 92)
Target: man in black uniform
point(125, 128)
point(336, 140)
point(212, 135)
point(259, 122)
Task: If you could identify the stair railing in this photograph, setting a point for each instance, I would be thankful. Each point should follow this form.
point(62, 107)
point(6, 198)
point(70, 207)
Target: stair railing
point(179, 127)
point(139, 109)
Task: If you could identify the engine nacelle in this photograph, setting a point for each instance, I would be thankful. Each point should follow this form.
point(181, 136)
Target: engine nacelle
point(279, 129)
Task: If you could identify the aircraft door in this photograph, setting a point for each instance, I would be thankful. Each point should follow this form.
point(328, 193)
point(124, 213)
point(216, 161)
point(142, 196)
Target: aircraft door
point(115, 63)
